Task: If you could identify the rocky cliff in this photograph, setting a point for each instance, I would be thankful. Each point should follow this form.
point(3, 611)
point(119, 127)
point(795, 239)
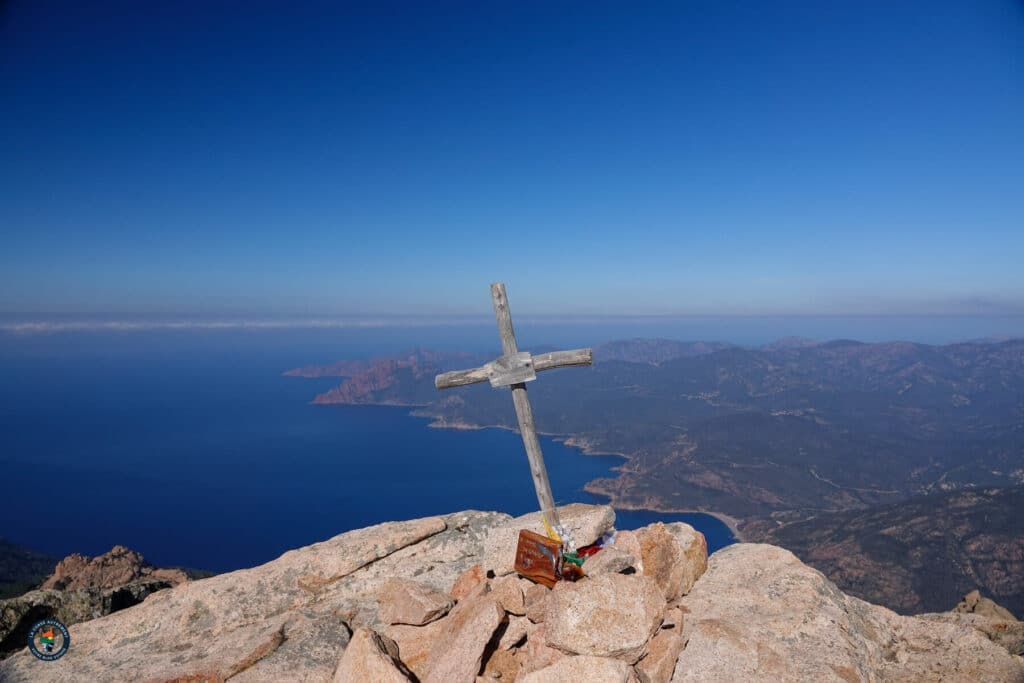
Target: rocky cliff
point(389, 379)
point(435, 599)
point(83, 588)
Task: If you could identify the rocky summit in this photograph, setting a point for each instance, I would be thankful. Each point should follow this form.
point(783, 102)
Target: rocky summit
point(434, 599)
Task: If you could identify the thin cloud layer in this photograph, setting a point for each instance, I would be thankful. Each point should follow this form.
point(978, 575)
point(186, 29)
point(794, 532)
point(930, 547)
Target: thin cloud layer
point(50, 326)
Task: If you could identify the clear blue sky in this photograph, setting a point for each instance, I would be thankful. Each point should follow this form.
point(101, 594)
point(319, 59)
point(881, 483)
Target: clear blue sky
point(686, 158)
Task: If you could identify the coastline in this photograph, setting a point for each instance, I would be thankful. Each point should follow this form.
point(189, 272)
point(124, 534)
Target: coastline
point(574, 441)
point(571, 440)
point(728, 520)
point(392, 404)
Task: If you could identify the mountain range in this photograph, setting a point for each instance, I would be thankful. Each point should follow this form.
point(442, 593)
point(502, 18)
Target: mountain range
point(807, 443)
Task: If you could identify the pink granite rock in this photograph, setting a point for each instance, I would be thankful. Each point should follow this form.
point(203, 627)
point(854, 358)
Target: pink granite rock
point(581, 668)
point(409, 602)
point(536, 653)
point(610, 560)
point(674, 555)
point(370, 657)
point(612, 615)
point(658, 665)
point(468, 581)
point(117, 567)
point(509, 593)
point(457, 653)
point(536, 602)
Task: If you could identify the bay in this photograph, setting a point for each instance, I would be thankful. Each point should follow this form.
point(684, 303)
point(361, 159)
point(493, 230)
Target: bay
point(198, 453)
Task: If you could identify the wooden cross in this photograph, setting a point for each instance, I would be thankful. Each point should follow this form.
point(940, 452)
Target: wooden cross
point(514, 369)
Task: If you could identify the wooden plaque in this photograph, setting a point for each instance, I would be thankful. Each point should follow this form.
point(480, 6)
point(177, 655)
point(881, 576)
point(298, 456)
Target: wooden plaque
point(512, 369)
point(538, 558)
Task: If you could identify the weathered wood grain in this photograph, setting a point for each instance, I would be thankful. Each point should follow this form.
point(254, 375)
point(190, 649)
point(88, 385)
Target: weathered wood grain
point(539, 472)
point(504, 317)
point(514, 369)
point(524, 412)
point(460, 378)
point(563, 359)
point(544, 361)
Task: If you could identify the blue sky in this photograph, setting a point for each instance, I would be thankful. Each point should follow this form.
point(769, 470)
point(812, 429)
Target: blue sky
point(711, 158)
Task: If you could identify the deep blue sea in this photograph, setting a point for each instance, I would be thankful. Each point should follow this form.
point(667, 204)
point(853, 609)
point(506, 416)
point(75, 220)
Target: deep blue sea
point(193, 449)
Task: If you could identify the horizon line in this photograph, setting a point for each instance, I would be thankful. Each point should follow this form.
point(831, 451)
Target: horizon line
point(59, 324)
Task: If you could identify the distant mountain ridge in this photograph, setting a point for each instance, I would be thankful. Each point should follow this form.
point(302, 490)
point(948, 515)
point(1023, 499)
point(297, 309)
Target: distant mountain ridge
point(778, 432)
point(638, 350)
point(404, 379)
point(355, 366)
point(654, 351)
point(792, 343)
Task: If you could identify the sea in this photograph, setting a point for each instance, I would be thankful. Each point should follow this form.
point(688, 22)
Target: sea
point(188, 445)
point(192, 448)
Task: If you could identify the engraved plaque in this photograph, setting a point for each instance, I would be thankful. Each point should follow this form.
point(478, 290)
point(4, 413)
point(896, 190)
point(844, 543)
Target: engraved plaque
point(538, 558)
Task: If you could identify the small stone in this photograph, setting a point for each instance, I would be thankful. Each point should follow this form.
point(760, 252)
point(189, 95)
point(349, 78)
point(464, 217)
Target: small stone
point(975, 603)
point(658, 665)
point(515, 632)
point(537, 654)
point(370, 657)
point(467, 581)
point(509, 594)
point(612, 615)
point(536, 601)
point(457, 654)
point(629, 542)
point(408, 602)
point(673, 618)
point(581, 668)
point(415, 643)
point(501, 665)
point(693, 548)
point(610, 560)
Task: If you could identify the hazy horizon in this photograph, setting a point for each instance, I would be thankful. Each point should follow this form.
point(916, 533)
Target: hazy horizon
point(383, 335)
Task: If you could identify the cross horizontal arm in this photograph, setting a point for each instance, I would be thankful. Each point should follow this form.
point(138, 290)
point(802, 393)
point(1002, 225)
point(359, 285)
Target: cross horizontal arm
point(459, 378)
point(563, 359)
point(544, 361)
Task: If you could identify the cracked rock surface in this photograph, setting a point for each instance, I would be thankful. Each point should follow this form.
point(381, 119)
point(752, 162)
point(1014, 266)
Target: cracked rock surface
point(337, 611)
point(288, 619)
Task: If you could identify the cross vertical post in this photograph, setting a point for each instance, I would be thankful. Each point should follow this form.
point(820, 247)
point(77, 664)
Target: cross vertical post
point(524, 411)
point(514, 369)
